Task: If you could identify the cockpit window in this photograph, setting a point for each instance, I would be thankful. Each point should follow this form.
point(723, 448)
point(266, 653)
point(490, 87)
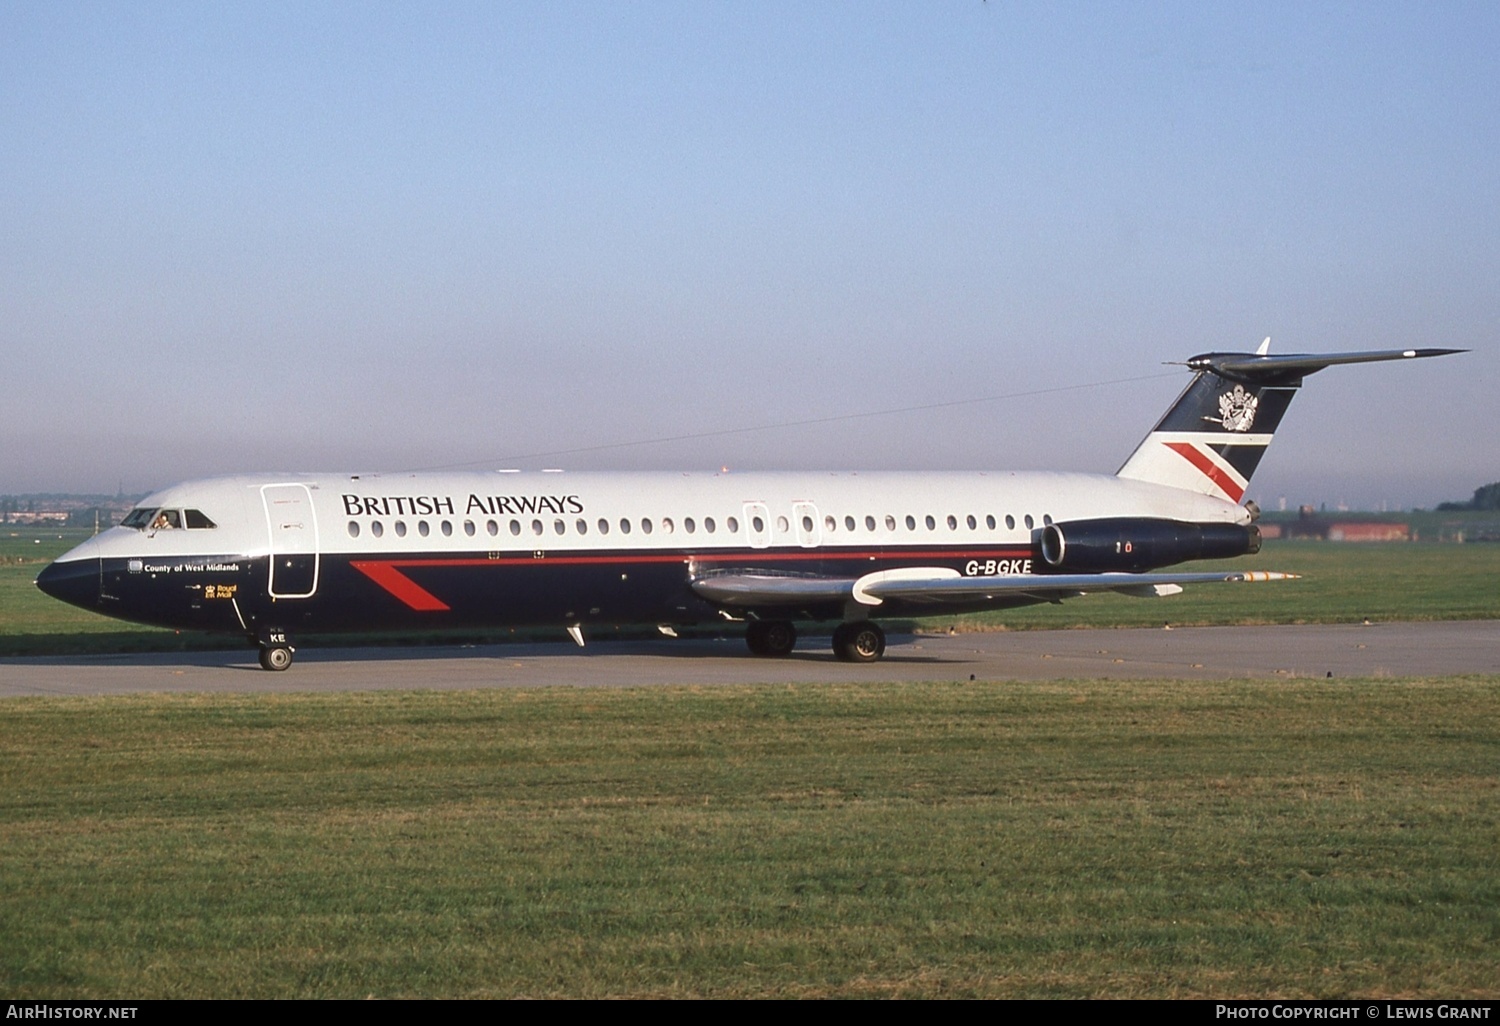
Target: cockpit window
point(147, 518)
point(166, 520)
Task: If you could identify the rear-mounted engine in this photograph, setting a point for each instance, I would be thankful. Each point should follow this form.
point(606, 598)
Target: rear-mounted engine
point(1135, 543)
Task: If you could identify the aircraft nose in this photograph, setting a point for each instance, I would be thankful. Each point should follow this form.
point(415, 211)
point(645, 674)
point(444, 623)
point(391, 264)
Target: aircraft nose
point(75, 582)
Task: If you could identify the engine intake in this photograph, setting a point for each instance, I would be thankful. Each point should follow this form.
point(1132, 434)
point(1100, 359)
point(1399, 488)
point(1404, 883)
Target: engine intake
point(1131, 544)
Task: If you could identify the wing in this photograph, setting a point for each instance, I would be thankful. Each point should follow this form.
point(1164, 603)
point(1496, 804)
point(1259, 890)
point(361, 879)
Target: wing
point(938, 585)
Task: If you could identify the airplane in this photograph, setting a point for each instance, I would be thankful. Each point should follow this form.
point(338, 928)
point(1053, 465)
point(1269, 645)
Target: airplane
point(271, 558)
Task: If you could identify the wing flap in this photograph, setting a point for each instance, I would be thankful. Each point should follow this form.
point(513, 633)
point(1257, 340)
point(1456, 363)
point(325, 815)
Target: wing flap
point(941, 584)
point(1051, 587)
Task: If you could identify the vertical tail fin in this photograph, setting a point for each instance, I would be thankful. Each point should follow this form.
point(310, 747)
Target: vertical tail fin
point(1212, 438)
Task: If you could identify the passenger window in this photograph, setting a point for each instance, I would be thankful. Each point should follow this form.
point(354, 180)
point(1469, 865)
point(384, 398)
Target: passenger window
point(688, 525)
point(708, 524)
point(377, 528)
point(1010, 522)
point(559, 526)
point(931, 523)
point(757, 524)
point(515, 527)
point(1047, 519)
point(624, 525)
point(491, 528)
point(734, 525)
point(582, 525)
point(447, 529)
point(972, 522)
point(645, 525)
point(1029, 522)
point(989, 521)
point(536, 527)
point(469, 528)
point(666, 525)
point(953, 522)
point(807, 524)
point(869, 523)
point(424, 528)
point(400, 528)
point(848, 523)
point(911, 522)
point(890, 522)
point(603, 526)
point(354, 528)
point(196, 521)
point(783, 525)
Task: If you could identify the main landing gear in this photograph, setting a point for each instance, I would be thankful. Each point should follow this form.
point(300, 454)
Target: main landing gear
point(859, 642)
point(771, 637)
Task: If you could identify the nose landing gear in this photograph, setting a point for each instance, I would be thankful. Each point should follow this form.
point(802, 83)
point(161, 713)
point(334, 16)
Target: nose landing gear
point(275, 650)
point(275, 657)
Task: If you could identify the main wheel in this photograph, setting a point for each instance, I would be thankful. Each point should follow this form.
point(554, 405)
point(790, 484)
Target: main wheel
point(771, 637)
point(275, 657)
point(860, 642)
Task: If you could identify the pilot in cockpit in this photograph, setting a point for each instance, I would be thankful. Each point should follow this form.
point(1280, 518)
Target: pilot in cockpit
point(166, 519)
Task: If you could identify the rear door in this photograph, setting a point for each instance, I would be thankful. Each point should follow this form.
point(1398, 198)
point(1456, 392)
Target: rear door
point(294, 540)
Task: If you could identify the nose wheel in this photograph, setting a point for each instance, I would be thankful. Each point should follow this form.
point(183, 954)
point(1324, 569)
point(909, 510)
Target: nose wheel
point(275, 657)
point(861, 642)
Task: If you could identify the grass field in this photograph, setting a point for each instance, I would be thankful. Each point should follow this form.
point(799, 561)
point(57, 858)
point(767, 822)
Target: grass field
point(1151, 839)
point(1341, 583)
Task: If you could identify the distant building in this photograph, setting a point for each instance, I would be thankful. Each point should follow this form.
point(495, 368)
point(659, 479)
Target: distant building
point(1368, 531)
point(39, 517)
point(1310, 525)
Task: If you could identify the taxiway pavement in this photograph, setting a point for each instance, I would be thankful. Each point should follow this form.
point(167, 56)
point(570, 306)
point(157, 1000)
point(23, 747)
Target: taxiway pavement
point(1205, 653)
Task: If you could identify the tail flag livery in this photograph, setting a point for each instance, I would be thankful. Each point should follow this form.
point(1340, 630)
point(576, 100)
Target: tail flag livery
point(1212, 438)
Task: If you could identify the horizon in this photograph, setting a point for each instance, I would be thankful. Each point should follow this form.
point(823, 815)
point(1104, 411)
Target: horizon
point(268, 237)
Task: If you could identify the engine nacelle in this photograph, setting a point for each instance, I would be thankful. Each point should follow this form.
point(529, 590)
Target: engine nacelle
point(1132, 544)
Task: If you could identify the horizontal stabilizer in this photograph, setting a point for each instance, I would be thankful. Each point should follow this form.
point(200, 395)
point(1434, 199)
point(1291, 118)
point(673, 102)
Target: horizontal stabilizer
point(1262, 367)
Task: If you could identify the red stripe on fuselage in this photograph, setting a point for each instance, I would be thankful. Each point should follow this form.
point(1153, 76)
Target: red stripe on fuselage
point(404, 588)
point(1211, 470)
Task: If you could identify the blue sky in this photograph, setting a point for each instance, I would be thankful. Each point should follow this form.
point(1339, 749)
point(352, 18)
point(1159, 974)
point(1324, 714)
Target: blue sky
point(359, 236)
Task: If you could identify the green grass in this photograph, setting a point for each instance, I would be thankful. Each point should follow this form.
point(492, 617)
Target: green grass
point(1341, 583)
point(34, 624)
point(1149, 839)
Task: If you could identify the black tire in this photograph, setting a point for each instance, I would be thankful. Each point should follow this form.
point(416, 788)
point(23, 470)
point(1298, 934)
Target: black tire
point(775, 638)
point(275, 657)
point(781, 638)
point(862, 642)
